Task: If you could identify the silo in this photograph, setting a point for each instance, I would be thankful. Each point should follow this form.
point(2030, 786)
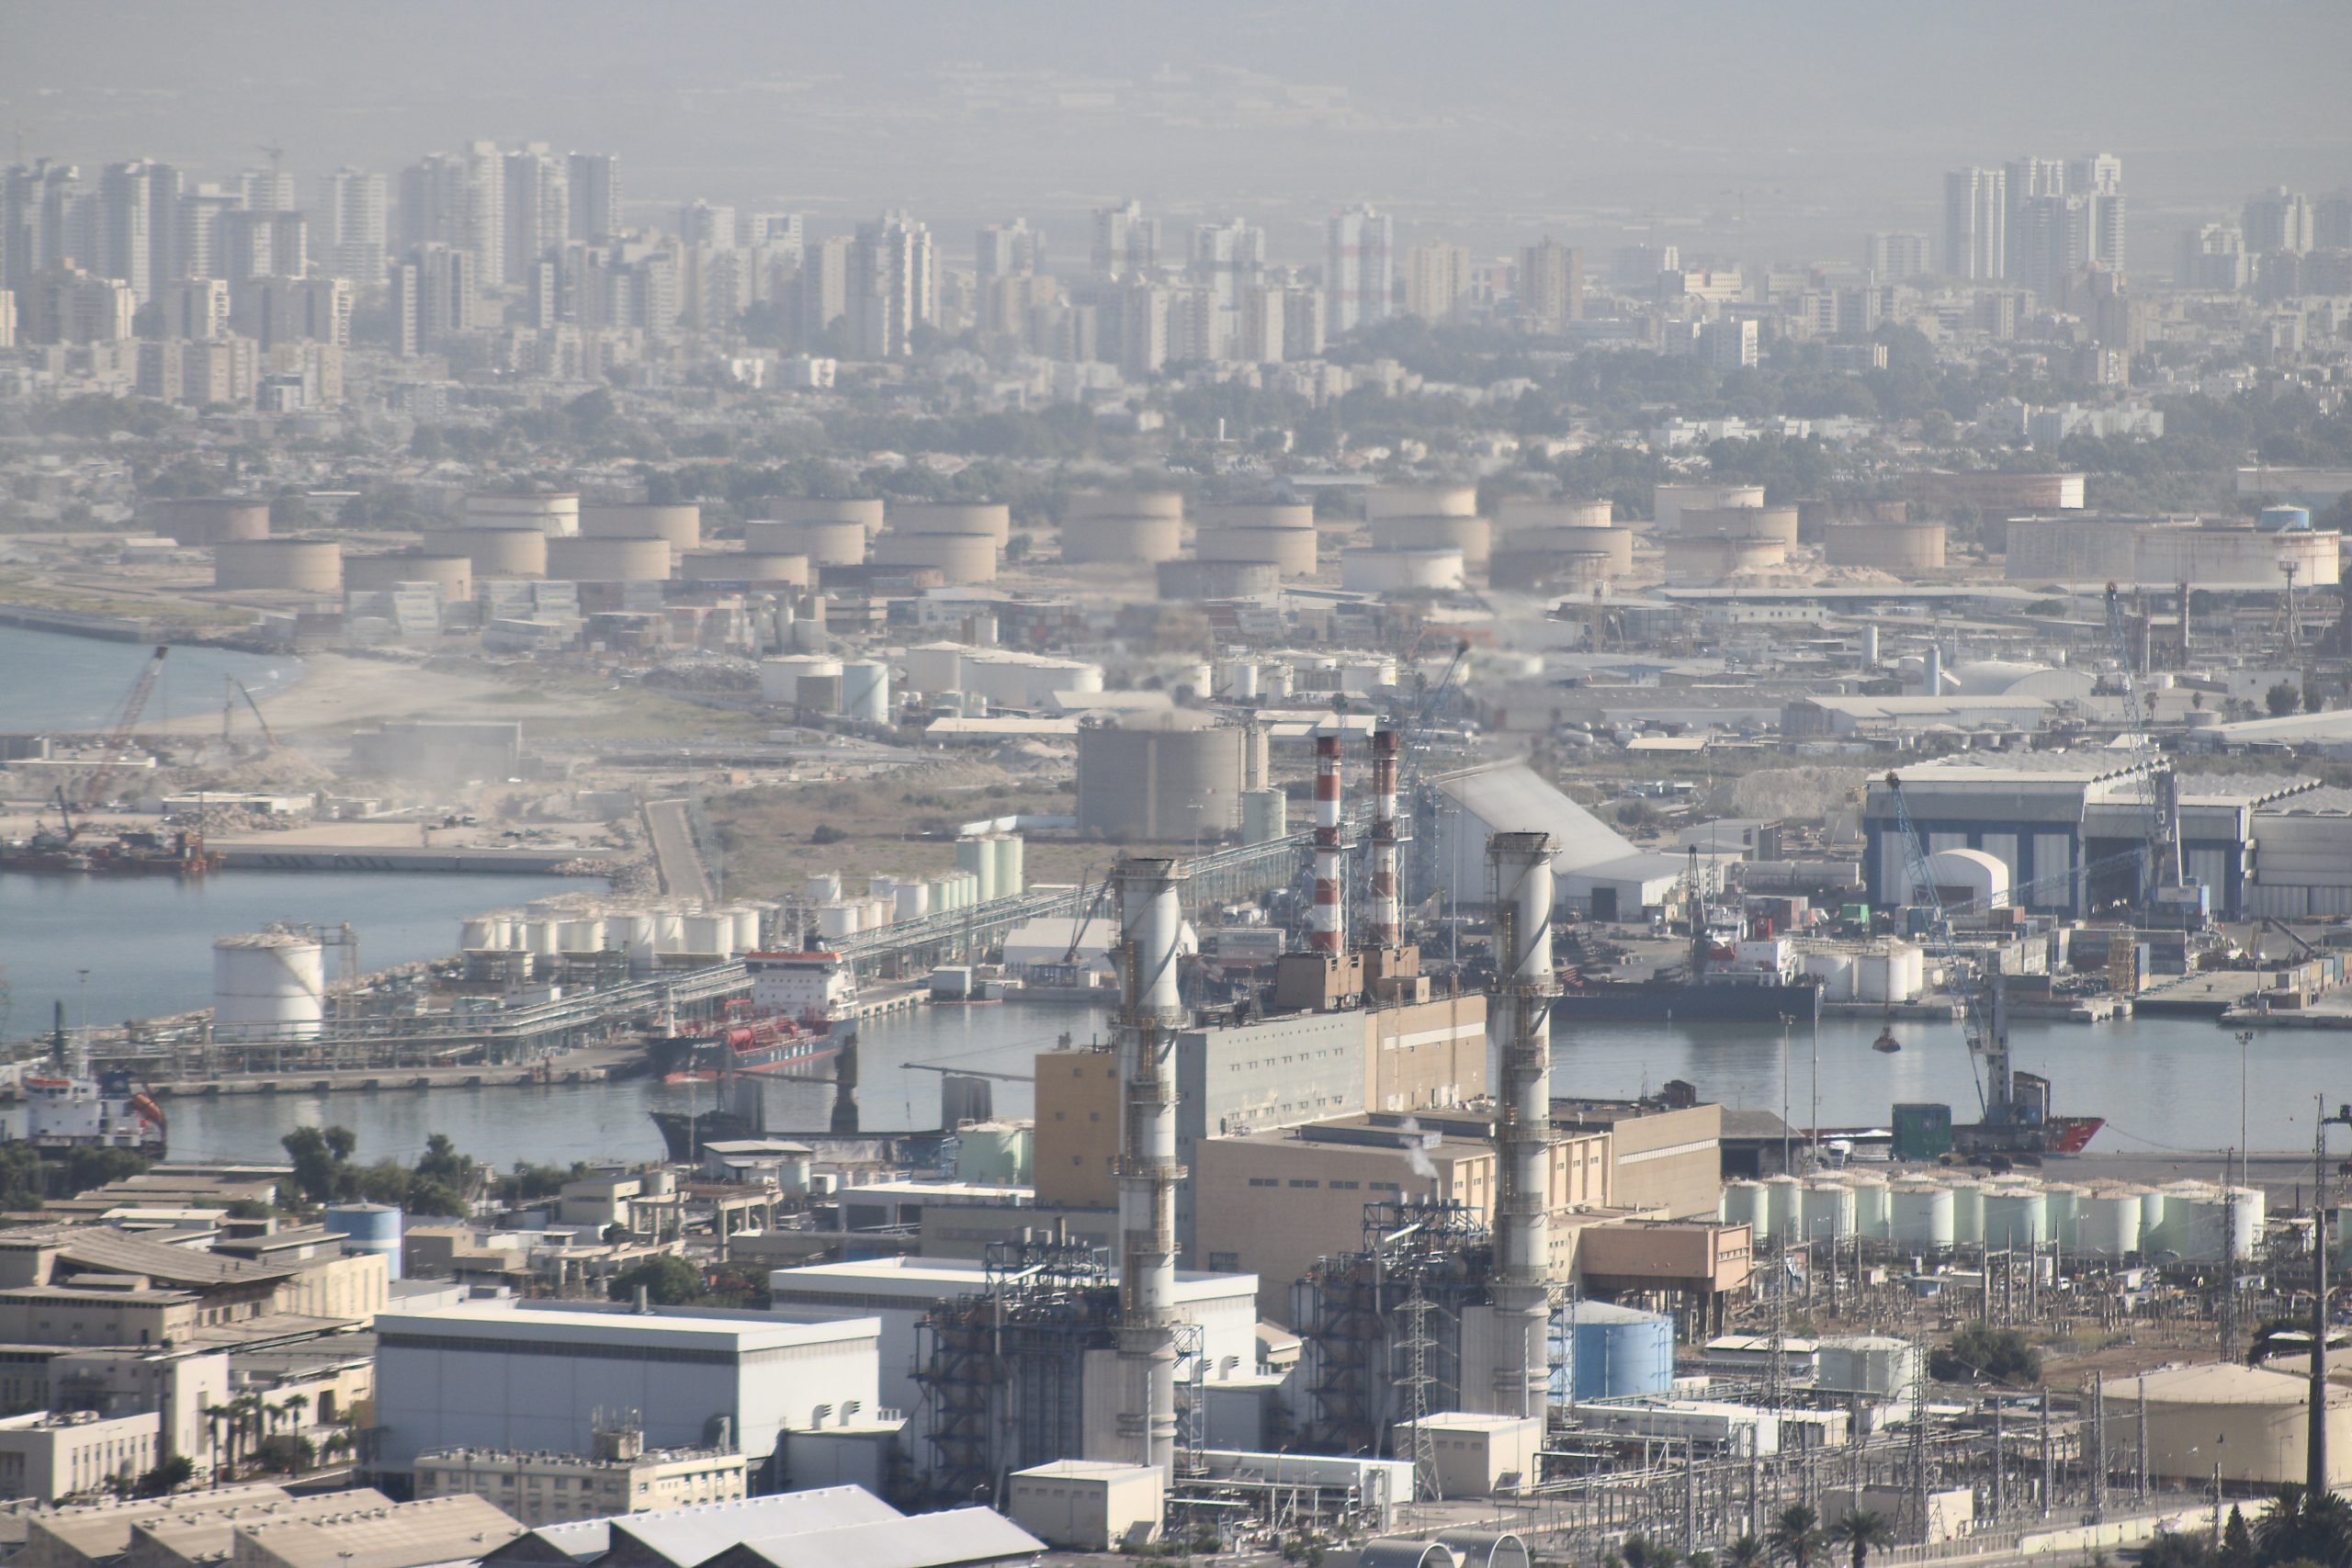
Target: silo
point(1518, 514)
point(866, 691)
point(211, 519)
point(2106, 1222)
point(964, 559)
point(1919, 1213)
point(1401, 570)
point(2062, 1212)
point(1743, 1203)
point(1168, 776)
point(1827, 1207)
point(2014, 1215)
point(1011, 865)
point(864, 511)
point(1897, 547)
point(1871, 1199)
point(368, 1230)
point(1784, 1201)
point(1473, 537)
point(911, 900)
point(973, 855)
point(553, 512)
point(1265, 814)
point(1181, 580)
point(269, 983)
point(1291, 515)
point(296, 566)
point(824, 887)
point(1967, 1211)
point(494, 552)
point(453, 574)
point(780, 678)
point(1420, 501)
point(992, 518)
point(825, 544)
point(608, 559)
point(676, 525)
point(1617, 1352)
point(753, 568)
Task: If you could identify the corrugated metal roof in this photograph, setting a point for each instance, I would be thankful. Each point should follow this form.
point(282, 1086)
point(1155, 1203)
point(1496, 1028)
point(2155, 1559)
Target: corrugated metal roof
point(693, 1535)
point(406, 1535)
point(949, 1540)
point(1514, 798)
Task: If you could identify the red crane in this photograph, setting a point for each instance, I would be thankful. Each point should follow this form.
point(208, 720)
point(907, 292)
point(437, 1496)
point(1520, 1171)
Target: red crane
point(93, 788)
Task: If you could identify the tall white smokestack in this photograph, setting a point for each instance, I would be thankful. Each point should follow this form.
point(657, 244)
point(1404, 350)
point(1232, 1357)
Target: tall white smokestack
point(1387, 923)
point(1521, 1018)
point(1150, 922)
point(1329, 932)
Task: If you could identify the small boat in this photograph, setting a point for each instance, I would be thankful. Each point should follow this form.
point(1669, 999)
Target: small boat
point(1886, 1045)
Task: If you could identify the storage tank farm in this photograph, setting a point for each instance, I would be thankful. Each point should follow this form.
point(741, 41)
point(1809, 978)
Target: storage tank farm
point(1933, 1214)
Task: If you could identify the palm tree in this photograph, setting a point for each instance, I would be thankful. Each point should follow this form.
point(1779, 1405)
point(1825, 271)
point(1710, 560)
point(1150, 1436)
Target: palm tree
point(1747, 1551)
point(2300, 1527)
point(1860, 1531)
point(1640, 1551)
point(214, 1414)
point(298, 1410)
point(1795, 1537)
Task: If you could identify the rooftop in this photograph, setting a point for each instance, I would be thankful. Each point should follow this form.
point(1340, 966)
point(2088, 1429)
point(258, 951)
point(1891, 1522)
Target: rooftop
point(507, 1320)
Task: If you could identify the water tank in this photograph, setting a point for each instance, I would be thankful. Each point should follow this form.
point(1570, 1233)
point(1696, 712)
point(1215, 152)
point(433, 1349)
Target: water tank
point(1379, 570)
point(1834, 972)
point(495, 552)
point(1898, 547)
point(1967, 1211)
point(1164, 777)
point(1871, 1202)
point(964, 559)
point(1473, 537)
point(452, 573)
point(1291, 551)
point(825, 544)
point(1420, 501)
point(758, 569)
point(866, 691)
point(608, 561)
point(911, 900)
point(211, 519)
point(2106, 1222)
point(271, 983)
point(552, 513)
point(2283, 519)
point(2062, 1212)
point(1291, 515)
point(367, 1228)
point(973, 854)
point(1265, 814)
point(1784, 1199)
point(708, 932)
point(1617, 1352)
point(302, 565)
point(1519, 513)
point(835, 922)
point(992, 518)
point(2015, 1217)
point(1744, 1203)
point(864, 511)
point(1919, 1213)
point(1186, 580)
point(1122, 540)
point(1011, 865)
point(824, 887)
point(1828, 1208)
point(676, 523)
point(1874, 1364)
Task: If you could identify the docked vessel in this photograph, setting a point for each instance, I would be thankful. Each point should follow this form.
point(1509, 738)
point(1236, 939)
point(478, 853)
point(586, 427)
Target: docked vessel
point(66, 1113)
point(787, 1023)
point(1681, 1001)
point(141, 854)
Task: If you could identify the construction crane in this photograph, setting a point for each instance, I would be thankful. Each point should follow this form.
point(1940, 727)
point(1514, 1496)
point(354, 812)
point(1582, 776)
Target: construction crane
point(93, 788)
point(230, 689)
point(2160, 870)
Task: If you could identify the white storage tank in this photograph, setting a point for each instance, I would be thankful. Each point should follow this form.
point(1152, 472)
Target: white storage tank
point(1744, 1203)
point(780, 678)
point(1784, 1199)
point(1967, 1211)
point(676, 523)
point(864, 511)
point(866, 691)
point(1420, 501)
point(551, 513)
point(2106, 1222)
point(824, 887)
point(2063, 1213)
point(911, 900)
point(991, 519)
point(1293, 516)
point(1376, 570)
point(1291, 552)
point(1265, 814)
point(300, 566)
point(580, 936)
point(492, 552)
point(269, 983)
point(1011, 865)
point(962, 559)
point(1828, 1210)
point(1871, 1203)
point(1894, 972)
point(477, 933)
point(837, 921)
point(1521, 511)
point(1835, 973)
point(2014, 1215)
point(747, 927)
point(669, 931)
point(825, 544)
point(758, 569)
point(709, 934)
point(1919, 1213)
point(1473, 537)
point(974, 856)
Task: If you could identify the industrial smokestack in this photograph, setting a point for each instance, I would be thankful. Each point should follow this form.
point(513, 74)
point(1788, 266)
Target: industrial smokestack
point(1152, 1012)
point(1931, 671)
point(1387, 924)
point(1521, 1022)
point(1329, 932)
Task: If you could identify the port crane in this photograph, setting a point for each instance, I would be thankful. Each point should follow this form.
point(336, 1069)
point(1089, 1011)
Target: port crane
point(93, 788)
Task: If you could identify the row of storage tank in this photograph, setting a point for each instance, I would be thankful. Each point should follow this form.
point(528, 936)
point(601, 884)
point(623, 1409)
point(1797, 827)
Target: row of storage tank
point(2192, 1221)
point(987, 866)
point(645, 933)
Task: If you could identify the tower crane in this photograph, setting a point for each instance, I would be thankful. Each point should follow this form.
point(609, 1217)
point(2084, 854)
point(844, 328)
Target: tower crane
point(93, 788)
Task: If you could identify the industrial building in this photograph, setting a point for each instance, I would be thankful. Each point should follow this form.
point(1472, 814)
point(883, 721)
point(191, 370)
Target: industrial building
point(618, 1475)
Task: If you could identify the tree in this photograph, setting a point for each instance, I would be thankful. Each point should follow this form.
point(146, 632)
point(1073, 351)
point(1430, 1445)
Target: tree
point(2282, 699)
point(1978, 1353)
point(1746, 1552)
point(167, 1477)
point(1641, 1551)
point(2238, 1541)
point(321, 1159)
point(1861, 1532)
point(2300, 1527)
point(1795, 1537)
point(667, 1280)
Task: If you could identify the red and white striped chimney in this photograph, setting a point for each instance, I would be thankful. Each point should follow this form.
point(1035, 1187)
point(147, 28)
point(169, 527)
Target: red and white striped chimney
point(1387, 920)
point(1328, 933)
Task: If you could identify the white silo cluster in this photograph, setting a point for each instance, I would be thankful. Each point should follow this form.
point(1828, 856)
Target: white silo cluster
point(852, 688)
point(983, 678)
point(1881, 972)
point(987, 866)
point(1938, 1211)
point(652, 935)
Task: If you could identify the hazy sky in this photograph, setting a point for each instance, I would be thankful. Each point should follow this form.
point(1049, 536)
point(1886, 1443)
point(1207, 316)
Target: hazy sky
point(1780, 128)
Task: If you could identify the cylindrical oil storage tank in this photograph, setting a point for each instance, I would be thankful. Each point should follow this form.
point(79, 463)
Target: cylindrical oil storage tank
point(1743, 1203)
point(1291, 551)
point(1287, 514)
point(780, 684)
point(1775, 522)
point(635, 934)
point(1897, 547)
point(1618, 1352)
point(866, 691)
point(1967, 1211)
point(866, 511)
point(2195, 1222)
point(269, 983)
point(993, 518)
point(676, 523)
point(2062, 1212)
point(825, 544)
point(754, 568)
point(1420, 501)
point(367, 1229)
point(580, 936)
point(1401, 572)
point(2107, 1222)
point(818, 695)
point(707, 932)
point(1265, 815)
point(1088, 541)
point(1195, 580)
point(835, 922)
point(747, 927)
point(1011, 865)
point(494, 552)
point(824, 887)
point(2016, 1215)
point(452, 574)
point(1871, 1199)
point(910, 901)
point(2152, 1207)
point(1550, 569)
point(1160, 777)
point(1088, 505)
point(608, 559)
point(553, 512)
point(1876, 1365)
point(478, 933)
point(669, 930)
point(1697, 562)
point(974, 856)
point(963, 558)
point(1919, 1213)
point(300, 566)
point(1668, 501)
point(2248, 1219)
point(211, 519)
point(1828, 1208)
point(1834, 972)
point(540, 935)
point(1473, 537)
point(1617, 544)
point(1784, 1198)
point(1519, 514)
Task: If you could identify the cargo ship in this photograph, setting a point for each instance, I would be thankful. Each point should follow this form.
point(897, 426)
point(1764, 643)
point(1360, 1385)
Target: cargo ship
point(788, 1022)
point(68, 1108)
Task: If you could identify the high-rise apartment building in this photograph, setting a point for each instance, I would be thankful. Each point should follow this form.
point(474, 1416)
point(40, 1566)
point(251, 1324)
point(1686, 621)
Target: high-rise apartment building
point(267, 190)
point(596, 203)
point(459, 200)
point(1125, 242)
point(1975, 224)
point(1550, 285)
point(892, 286)
point(1226, 259)
point(126, 249)
point(70, 304)
point(780, 231)
point(2050, 238)
point(268, 242)
point(708, 223)
point(1436, 279)
point(2212, 257)
point(822, 289)
point(1359, 267)
point(1007, 250)
point(35, 200)
point(435, 294)
point(199, 245)
point(1890, 258)
point(2279, 219)
point(537, 201)
point(350, 237)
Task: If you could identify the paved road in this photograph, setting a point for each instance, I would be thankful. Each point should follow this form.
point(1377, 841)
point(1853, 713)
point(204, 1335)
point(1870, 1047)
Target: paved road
point(682, 874)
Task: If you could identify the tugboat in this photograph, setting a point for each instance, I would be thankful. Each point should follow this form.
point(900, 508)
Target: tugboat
point(1886, 1045)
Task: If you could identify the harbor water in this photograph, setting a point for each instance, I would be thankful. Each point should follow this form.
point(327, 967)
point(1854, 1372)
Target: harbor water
point(49, 680)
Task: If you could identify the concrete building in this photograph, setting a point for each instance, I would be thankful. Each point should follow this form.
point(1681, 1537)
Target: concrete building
point(1089, 1505)
point(1359, 268)
point(396, 1535)
point(51, 1456)
point(622, 1476)
point(1550, 285)
point(496, 1375)
point(1478, 1455)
